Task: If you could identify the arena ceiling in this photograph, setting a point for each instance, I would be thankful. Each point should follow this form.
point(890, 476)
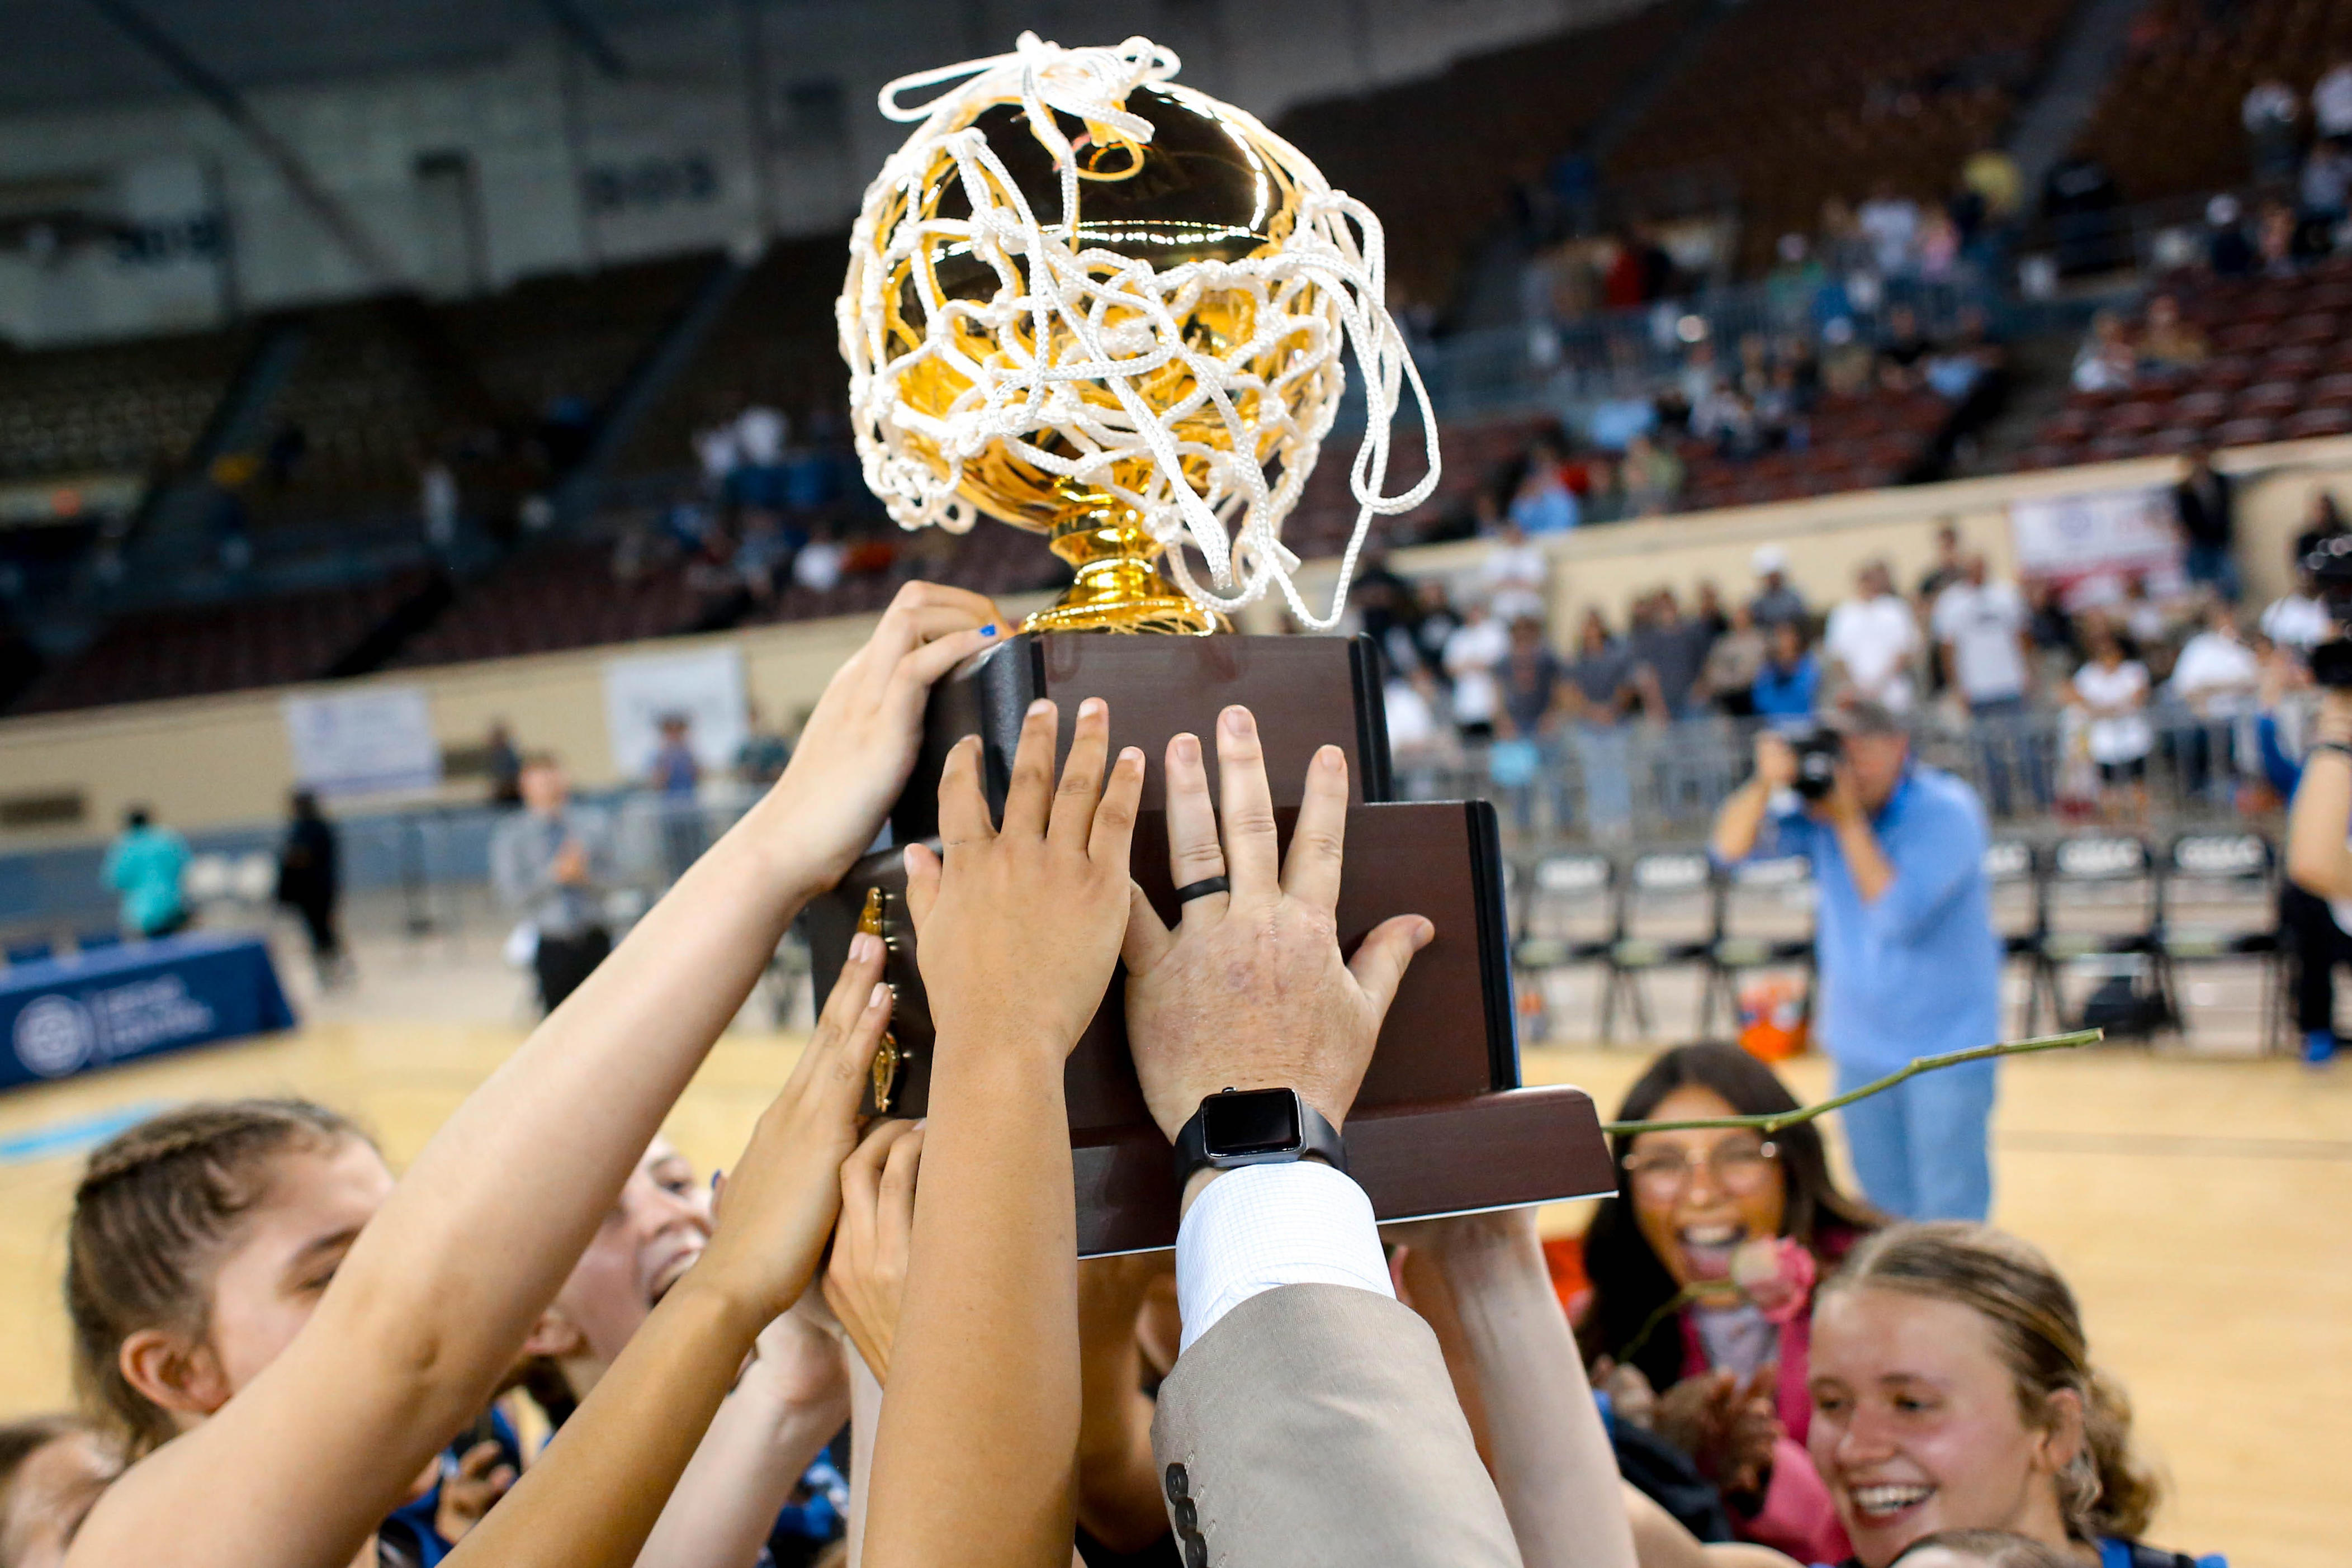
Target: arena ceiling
point(58, 54)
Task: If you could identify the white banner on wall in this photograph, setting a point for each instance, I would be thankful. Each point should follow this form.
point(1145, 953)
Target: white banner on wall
point(363, 742)
point(2090, 544)
point(705, 688)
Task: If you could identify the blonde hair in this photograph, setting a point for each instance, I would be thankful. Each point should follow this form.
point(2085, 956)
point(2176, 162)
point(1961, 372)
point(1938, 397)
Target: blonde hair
point(2105, 1490)
point(155, 1205)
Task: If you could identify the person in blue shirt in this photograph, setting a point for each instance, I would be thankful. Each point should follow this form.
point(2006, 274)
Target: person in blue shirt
point(1910, 965)
point(145, 866)
point(1791, 680)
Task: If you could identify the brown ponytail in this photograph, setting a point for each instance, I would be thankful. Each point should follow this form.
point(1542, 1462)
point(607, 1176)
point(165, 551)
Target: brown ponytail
point(2106, 1491)
point(155, 1208)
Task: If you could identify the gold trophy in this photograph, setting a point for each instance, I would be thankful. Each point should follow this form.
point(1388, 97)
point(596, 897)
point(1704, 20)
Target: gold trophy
point(1107, 308)
point(1099, 305)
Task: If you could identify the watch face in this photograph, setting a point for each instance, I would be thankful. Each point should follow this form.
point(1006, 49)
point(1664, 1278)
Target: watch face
point(1259, 1122)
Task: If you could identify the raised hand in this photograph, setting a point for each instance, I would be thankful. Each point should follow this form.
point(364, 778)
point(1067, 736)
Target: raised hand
point(468, 1488)
point(778, 1204)
point(1249, 990)
point(1018, 931)
point(859, 743)
point(866, 1276)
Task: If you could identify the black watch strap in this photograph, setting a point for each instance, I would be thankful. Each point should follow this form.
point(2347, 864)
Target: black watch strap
point(1317, 1136)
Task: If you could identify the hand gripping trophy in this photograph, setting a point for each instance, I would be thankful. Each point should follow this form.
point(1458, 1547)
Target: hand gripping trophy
point(1091, 303)
point(1101, 307)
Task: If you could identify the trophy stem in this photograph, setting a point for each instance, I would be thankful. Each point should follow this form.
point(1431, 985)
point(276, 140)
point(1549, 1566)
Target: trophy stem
point(1120, 585)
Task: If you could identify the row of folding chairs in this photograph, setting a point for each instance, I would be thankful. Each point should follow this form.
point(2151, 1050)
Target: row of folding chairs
point(2205, 896)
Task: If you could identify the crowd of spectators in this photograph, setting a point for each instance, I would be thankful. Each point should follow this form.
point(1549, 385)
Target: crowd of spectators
point(2059, 693)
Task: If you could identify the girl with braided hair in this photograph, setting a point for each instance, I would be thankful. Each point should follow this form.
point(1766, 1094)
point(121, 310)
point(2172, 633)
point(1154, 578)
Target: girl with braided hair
point(294, 1337)
point(1953, 1390)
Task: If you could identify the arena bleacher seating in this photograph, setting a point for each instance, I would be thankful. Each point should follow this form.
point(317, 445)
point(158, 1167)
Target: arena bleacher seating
point(109, 408)
point(2281, 367)
point(1795, 102)
point(556, 595)
point(197, 650)
point(1440, 158)
point(2168, 122)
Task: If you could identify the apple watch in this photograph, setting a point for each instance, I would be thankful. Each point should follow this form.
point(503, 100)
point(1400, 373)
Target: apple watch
point(1256, 1127)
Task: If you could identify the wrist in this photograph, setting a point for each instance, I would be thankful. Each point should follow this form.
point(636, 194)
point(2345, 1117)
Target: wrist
point(719, 1302)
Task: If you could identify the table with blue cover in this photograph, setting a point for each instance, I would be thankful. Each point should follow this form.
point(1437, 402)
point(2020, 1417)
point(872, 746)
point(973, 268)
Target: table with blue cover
point(60, 1017)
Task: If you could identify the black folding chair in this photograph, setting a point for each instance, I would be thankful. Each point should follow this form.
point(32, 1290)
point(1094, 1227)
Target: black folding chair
point(1564, 918)
point(1764, 919)
point(2102, 896)
point(2013, 867)
point(1666, 914)
point(2221, 904)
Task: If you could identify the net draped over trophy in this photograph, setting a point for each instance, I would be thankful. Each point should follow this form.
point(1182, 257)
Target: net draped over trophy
point(1091, 303)
point(1108, 309)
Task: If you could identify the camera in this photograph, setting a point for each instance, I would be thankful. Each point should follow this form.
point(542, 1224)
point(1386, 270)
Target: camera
point(1818, 748)
point(2330, 565)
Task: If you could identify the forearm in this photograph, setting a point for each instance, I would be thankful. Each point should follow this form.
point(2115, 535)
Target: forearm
point(1741, 819)
point(530, 1163)
point(1549, 1453)
point(743, 1472)
point(864, 1416)
point(1865, 861)
point(594, 1497)
point(974, 1461)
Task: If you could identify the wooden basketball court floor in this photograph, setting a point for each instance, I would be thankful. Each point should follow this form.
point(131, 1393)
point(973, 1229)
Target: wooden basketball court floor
point(2202, 1208)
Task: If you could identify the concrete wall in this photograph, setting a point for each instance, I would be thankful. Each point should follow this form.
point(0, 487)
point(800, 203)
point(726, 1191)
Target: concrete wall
point(211, 762)
point(738, 118)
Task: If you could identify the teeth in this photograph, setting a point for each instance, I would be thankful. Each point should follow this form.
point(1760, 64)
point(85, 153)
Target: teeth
point(1888, 1499)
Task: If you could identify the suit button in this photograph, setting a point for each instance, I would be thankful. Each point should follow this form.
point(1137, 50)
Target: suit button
point(1196, 1551)
point(1188, 1517)
point(1179, 1487)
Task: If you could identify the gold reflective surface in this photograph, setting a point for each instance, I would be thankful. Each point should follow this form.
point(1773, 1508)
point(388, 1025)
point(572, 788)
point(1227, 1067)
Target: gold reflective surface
point(1203, 188)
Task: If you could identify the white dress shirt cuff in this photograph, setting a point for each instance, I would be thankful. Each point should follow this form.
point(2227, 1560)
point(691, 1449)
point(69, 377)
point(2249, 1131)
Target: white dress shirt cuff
point(1261, 1227)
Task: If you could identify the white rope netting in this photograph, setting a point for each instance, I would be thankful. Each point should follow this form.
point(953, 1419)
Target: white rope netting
point(1067, 323)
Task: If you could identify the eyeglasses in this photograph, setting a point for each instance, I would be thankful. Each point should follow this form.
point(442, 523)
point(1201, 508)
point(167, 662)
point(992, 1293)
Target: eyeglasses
point(1740, 1169)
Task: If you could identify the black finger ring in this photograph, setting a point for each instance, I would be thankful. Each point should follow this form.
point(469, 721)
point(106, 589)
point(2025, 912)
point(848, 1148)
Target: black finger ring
point(1202, 889)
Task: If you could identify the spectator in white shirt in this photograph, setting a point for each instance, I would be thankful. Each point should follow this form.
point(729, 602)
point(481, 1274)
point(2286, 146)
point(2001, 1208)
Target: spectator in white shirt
point(2331, 104)
point(1514, 574)
point(1981, 628)
point(2217, 675)
point(1472, 653)
point(2110, 693)
point(1890, 222)
point(2269, 114)
point(2298, 621)
point(1873, 640)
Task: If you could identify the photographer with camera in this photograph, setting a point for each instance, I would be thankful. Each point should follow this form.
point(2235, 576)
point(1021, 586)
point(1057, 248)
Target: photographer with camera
point(1904, 937)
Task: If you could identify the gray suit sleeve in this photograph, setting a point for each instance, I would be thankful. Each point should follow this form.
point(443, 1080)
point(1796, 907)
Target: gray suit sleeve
point(1316, 1425)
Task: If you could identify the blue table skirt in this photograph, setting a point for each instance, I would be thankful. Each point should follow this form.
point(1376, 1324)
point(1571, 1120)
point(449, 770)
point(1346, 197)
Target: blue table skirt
point(61, 1017)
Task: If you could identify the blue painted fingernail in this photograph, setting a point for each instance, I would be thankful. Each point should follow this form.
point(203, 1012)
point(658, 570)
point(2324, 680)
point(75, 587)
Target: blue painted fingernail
point(988, 630)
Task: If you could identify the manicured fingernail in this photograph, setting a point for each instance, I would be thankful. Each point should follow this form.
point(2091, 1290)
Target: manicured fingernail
point(1130, 754)
point(1423, 935)
point(1236, 720)
point(1188, 748)
point(865, 948)
point(1093, 707)
point(878, 997)
point(988, 630)
point(715, 1178)
point(1330, 758)
point(1041, 706)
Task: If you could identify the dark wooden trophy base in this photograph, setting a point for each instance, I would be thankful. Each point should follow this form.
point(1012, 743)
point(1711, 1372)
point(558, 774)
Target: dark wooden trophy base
point(1441, 1125)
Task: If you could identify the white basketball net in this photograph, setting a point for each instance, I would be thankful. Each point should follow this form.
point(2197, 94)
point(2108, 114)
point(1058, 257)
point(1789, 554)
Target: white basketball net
point(1121, 320)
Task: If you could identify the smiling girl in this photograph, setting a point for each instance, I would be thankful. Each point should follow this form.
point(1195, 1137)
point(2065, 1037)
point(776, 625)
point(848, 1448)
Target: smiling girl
point(1953, 1389)
point(1731, 1380)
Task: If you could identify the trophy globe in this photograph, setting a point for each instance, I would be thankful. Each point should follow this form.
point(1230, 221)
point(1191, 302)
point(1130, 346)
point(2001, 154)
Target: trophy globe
point(1091, 303)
